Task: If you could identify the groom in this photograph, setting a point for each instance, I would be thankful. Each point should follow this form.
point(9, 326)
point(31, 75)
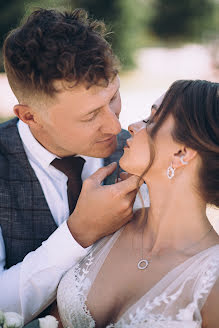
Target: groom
point(65, 77)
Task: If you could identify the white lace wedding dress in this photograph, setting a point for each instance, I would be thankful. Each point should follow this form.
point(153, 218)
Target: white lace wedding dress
point(174, 302)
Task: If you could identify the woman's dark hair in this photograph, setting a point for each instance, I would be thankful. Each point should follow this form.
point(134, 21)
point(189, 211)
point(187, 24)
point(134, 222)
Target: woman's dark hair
point(52, 45)
point(194, 106)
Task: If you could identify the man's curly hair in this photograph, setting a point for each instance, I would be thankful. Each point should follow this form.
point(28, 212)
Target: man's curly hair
point(52, 46)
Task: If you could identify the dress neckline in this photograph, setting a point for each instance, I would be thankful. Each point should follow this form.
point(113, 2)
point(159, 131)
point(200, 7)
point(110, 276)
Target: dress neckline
point(169, 273)
point(156, 286)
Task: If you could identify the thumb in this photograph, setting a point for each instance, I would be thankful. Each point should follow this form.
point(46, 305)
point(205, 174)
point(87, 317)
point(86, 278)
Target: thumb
point(103, 172)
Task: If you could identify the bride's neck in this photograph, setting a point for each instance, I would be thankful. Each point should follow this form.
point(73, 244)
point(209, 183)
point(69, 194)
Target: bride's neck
point(176, 217)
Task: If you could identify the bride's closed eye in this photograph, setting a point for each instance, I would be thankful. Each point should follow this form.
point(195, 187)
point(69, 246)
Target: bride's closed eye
point(147, 121)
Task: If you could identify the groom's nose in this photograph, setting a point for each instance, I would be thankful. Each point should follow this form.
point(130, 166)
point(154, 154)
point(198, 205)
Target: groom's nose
point(111, 124)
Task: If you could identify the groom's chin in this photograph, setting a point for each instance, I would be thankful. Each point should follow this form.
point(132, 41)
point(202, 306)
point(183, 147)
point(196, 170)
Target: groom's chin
point(103, 150)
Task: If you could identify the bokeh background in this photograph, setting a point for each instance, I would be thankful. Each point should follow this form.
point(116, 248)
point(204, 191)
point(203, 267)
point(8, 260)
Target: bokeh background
point(157, 41)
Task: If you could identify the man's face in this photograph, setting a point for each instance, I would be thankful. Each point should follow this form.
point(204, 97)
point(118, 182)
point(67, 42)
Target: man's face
point(81, 121)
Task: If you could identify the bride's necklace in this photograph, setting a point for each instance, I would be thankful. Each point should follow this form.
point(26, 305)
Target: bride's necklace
point(144, 262)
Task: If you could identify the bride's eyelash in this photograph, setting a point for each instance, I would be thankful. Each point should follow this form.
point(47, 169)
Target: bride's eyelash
point(145, 121)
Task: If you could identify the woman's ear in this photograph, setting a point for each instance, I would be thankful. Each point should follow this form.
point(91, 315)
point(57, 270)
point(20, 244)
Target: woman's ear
point(24, 113)
point(183, 157)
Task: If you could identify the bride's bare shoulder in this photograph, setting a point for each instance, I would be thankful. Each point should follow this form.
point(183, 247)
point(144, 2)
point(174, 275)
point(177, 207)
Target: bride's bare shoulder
point(210, 313)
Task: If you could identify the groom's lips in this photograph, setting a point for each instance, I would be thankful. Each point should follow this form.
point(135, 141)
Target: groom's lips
point(107, 140)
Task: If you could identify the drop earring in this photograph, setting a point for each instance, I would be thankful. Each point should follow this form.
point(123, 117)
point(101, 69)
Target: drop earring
point(170, 172)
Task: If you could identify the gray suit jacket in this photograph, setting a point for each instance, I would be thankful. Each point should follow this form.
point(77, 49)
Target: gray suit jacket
point(25, 217)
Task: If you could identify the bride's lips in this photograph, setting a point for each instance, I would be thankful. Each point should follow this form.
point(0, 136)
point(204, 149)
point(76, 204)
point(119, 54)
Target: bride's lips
point(127, 144)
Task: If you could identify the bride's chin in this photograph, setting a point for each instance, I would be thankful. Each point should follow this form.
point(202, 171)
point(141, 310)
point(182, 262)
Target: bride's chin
point(124, 164)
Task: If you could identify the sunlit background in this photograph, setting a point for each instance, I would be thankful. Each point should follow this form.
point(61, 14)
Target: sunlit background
point(157, 41)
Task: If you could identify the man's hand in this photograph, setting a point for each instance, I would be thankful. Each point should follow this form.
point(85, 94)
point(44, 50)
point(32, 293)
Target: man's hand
point(101, 210)
point(123, 176)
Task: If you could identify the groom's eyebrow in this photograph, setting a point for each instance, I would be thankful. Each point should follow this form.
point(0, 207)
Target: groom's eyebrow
point(97, 109)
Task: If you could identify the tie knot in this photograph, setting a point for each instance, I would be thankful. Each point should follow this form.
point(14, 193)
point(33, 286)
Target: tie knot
point(70, 166)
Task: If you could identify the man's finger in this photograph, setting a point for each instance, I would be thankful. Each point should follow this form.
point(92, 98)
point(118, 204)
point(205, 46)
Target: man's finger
point(132, 195)
point(124, 175)
point(129, 184)
point(103, 172)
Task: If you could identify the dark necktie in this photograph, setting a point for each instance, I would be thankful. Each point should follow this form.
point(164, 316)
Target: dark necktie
point(72, 167)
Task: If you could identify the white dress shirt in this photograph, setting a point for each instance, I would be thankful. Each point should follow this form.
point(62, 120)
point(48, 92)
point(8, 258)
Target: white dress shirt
point(30, 286)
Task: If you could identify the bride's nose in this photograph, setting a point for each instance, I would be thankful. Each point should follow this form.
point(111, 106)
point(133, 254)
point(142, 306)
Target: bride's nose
point(136, 127)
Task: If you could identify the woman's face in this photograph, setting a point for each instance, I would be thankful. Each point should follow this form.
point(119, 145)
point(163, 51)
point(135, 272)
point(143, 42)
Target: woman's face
point(136, 155)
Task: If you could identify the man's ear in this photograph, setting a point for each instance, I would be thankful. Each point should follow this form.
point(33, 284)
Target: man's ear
point(25, 113)
point(183, 157)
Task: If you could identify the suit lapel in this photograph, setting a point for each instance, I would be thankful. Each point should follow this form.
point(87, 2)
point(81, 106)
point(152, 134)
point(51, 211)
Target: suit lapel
point(19, 164)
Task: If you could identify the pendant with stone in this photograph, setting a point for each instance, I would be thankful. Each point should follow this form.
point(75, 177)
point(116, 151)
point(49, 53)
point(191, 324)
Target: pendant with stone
point(143, 264)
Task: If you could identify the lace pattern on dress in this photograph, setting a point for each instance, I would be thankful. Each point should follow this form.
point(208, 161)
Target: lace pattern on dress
point(76, 314)
point(71, 302)
point(83, 283)
point(207, 280)
point(145, 316)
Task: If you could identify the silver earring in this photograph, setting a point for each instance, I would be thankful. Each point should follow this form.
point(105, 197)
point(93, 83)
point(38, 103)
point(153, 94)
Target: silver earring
point(182, 160)
point(170, 172)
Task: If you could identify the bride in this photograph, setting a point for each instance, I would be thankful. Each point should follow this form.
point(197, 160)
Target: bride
point(162, 268)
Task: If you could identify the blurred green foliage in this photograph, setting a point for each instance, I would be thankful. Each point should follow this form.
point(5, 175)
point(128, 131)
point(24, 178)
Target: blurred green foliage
point(31, 5)
point(10, 13)
point(185, 20)
point(134, 23)
point(124, 18)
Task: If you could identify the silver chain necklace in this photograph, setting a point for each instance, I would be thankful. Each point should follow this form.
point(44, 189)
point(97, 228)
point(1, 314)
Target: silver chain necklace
point(144, 263)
